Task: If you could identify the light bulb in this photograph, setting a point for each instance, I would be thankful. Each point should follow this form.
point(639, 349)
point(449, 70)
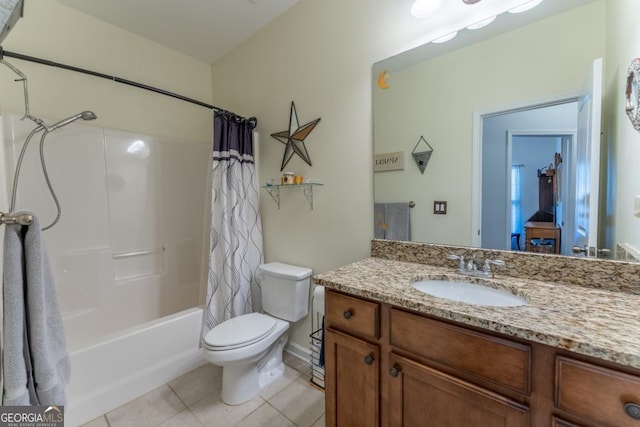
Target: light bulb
point(424, 8)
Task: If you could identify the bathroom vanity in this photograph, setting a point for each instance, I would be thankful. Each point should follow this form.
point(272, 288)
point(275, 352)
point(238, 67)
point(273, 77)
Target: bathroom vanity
point(397, 356)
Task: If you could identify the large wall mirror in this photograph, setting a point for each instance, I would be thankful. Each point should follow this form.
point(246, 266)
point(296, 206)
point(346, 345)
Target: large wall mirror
point(503, 109)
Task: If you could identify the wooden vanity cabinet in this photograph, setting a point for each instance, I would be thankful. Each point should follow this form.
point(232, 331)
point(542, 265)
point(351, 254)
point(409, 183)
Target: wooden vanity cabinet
point(352, 384)
point(387, 366)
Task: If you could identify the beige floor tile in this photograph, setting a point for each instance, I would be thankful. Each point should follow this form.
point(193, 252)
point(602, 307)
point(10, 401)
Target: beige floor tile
point(197, 384)
point(289, 376)
point(149, 410)
point(101, 421)
point(321, 422)
point(265, 416)
point(211, 411)
point(300, 402)
point(183, 419)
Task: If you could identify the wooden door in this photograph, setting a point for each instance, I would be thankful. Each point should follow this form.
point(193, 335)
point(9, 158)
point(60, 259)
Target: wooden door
point(422, 396)
point(352, 383)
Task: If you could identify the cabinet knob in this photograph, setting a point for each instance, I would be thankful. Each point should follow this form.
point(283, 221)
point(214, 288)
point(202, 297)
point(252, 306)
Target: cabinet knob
point(394, 371)
point(369, 359)
point(633, 410)
point(348, 314)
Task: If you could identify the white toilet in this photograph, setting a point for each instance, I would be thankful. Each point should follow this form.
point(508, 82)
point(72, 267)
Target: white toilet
point(249, 347)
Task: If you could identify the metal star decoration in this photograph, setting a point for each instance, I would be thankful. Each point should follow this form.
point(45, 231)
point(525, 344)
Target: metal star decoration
point(293, 138)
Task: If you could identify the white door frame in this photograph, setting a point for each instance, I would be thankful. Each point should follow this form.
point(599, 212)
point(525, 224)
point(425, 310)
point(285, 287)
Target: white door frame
point(476, 173)
point(560, 133)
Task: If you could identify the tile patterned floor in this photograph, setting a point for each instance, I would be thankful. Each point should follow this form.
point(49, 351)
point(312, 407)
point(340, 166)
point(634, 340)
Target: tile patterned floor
point(193, 400)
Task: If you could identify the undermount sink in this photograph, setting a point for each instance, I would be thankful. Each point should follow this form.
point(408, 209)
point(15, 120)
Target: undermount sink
point(469, 293)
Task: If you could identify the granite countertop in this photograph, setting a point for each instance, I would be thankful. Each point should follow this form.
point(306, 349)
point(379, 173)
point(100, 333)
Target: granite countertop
point(600, 323)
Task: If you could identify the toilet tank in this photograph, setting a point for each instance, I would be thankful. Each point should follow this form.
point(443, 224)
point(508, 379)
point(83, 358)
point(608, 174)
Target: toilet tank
point(285, 290)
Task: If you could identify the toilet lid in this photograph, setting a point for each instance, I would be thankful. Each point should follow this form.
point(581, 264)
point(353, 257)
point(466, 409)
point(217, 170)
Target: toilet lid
point(240, 331)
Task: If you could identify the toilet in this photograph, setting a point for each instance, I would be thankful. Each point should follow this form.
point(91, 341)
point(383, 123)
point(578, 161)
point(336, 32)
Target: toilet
point(249, 347)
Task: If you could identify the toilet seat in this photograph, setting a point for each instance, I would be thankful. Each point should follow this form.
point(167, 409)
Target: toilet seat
point(239, 331)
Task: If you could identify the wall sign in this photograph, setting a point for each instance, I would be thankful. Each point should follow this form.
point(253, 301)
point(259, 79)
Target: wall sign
point(388, 162)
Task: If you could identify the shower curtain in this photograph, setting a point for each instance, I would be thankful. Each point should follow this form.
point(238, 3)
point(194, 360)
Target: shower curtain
point(236, 230)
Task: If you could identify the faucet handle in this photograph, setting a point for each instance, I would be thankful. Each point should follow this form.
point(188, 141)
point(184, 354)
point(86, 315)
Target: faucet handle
point(459, 258)
point(488, 262)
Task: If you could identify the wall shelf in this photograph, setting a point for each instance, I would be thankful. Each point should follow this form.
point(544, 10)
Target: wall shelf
point(307, 188)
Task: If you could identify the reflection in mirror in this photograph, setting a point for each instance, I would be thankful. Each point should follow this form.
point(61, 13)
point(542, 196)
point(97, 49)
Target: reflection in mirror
point(632, 95)
point(449, 95)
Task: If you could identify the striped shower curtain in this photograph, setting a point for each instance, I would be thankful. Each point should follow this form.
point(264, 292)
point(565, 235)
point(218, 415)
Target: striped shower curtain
point(236, 230)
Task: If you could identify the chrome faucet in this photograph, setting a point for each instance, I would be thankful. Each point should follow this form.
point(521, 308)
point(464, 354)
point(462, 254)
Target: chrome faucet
point(470, 268)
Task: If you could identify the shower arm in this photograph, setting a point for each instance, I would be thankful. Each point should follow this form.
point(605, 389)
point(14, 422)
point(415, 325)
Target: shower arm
point(23, 79)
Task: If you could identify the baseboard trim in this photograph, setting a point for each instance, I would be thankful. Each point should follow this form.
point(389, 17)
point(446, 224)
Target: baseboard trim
point(298, 351)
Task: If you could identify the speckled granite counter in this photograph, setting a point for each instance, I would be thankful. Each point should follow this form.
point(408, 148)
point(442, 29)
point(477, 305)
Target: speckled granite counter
point(602, 323)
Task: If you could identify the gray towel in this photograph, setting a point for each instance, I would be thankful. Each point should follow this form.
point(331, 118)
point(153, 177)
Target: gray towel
point(392, 221)
point(398, 219)
point(379, 224)
point(35, 363)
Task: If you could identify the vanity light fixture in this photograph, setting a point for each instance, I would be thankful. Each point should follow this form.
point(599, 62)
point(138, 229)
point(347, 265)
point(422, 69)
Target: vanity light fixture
point(445, 38)
point(526, 6)
point(482, 23)
point(425, 8)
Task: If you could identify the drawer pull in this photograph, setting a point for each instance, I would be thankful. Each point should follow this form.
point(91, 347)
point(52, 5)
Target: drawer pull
point(347, 314)
point(369, 360)
point(633, 410)
point(394, 371)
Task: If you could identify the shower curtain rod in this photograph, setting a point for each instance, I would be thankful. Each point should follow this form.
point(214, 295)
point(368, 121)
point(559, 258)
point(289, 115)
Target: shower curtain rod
point(108, 77)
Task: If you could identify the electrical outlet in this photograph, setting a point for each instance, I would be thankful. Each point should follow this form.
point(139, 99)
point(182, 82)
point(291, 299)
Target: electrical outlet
point(439, 207)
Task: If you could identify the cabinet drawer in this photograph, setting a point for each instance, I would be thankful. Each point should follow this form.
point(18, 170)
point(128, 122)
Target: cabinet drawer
point(594, 392)
point(467, 351)
point(353, 315)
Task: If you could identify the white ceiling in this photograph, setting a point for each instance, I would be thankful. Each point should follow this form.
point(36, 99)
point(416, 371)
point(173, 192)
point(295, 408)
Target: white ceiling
point(208, 29)
point(203, 29)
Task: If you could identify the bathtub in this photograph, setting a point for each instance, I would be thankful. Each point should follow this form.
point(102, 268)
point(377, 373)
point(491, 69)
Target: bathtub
point(126, 365)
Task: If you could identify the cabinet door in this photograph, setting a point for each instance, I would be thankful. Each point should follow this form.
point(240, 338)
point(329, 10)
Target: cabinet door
point(422, 396)
point(352, 369)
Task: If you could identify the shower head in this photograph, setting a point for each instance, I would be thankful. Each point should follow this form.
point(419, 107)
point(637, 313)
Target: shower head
point(85, 115)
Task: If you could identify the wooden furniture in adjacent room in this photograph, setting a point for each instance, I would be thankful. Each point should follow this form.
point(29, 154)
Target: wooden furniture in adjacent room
point(548, 231)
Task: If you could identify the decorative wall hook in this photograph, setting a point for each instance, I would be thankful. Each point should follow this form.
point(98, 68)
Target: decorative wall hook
point(632, 93)
point(422, 153)
point(293, 138)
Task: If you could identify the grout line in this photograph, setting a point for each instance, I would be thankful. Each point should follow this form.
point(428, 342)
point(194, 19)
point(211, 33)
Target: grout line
point(280, 412)
point(177, 395)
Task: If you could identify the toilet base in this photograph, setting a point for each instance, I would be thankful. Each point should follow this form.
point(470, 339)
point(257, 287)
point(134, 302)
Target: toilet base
point(243, 382)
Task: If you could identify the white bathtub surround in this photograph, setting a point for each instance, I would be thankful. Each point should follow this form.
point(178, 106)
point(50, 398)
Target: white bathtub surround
point(236, 228)
point(127, 249)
